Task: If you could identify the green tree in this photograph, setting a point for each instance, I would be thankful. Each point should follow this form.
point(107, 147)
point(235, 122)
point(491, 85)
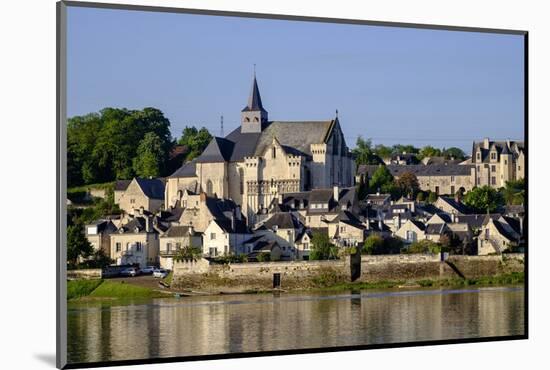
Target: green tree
point(420, 196)
point(263, 257)
point(429, 151)
point(410, 149)
point(432, 197)
point(322, 248)
point(373, 244)
point(380, 178)
point(77, 244)
point(195, 141)
point(513, 192)
point(408, 184)
point(150, 156)
point(483, 199)
point(454, 152)
point(383, 151)
point(424, 246)
point(364, 153)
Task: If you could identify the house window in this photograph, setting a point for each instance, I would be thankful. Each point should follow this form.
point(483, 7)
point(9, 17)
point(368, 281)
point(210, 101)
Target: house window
point(212, 236)
point(452, 179)
point(178, 246)
point(452, 189)
point(168, 247)
point(437, 189)
point(132, 201)
point(478, 156)
point(306, 246)
point(118, 247)
point(274, 152)
point(342, 229)
point(138, 246)
point(505, 161)
point(493, 168)
point(493, 180)
point(127, 246)
point(519, 168)
point(213, 251)
point(479, 180)
point(241, 181)
point(493, 155)
point(209, 188)
point(411, 236)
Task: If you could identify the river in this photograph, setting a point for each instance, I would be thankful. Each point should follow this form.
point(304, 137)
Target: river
point(205, 325)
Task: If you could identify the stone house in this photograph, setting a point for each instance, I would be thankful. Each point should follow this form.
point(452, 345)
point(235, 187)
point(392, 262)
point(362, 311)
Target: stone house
point(99, 233)
point(263, 159)
point(284, 228)
point(496, 236)
point(498, 161)
point(224, 236)
point(451, 206)
point(173, 240)
point(347, 230)
point(411, 231)
point(140, 193)
point(136, 242)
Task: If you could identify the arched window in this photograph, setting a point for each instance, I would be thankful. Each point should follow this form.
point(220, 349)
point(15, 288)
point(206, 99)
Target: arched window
point(256, 119)
point(247, 119)
point(209, 188)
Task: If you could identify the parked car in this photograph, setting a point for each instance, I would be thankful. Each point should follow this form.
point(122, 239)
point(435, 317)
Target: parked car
point(160, 273)
point(130, 271)
point(148, 270)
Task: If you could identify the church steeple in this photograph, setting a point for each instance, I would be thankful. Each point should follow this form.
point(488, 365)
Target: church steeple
point(253, 116)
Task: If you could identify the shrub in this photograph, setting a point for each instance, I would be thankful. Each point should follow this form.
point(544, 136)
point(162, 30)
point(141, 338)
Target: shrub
point(372, 244)
point(424, 246)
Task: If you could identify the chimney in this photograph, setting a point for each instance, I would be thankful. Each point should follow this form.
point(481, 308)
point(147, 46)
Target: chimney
point(147, 224)
point(336, 193)
point(380, 224)
point(191, 230)
point(453, 218)
point(486, 143)
point(141, 209)
point(232, 222)
point(397, 221)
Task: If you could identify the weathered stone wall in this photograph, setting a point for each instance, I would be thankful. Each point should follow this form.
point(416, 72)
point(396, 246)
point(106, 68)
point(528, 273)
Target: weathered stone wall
point(306, 274)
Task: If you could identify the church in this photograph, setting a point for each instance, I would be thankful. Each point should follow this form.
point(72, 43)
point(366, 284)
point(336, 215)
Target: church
point(261, 160)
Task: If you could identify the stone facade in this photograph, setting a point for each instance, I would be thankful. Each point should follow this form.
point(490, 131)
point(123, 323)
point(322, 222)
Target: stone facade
point(263, 159)
point(498, 161)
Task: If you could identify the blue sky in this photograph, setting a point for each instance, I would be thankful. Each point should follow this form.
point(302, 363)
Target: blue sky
point(394, 85)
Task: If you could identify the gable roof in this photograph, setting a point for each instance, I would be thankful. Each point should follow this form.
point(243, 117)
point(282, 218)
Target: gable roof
point(177, 231)
point(218, 150)
point(122, 185)
point(152, 188)
point(418, 224)
point(283, 220)
point(186, 170)
point(459, 207)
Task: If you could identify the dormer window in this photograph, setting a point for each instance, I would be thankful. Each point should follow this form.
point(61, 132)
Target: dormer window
point(493, 156)
point(478, 156)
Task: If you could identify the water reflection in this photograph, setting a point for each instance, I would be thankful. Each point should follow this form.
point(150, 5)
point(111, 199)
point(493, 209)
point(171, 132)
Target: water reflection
point(228, 324)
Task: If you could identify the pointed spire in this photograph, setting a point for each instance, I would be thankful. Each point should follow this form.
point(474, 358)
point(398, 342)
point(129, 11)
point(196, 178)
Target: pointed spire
point(254, 100)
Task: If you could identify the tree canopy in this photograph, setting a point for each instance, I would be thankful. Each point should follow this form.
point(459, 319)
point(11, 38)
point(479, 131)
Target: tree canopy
point(514, 192)
point(77, 244)
point(483, 199)
point(408, 184)
point(322, 248)
point(101, 147)
point(195, 141)
point(380, 178)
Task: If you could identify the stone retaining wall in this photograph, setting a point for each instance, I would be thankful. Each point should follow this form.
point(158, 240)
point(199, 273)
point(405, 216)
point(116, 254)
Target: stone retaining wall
point(306, 274)
point(84, 274)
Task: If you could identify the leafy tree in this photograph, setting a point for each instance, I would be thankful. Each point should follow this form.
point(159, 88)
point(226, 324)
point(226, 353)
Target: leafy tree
point(424, 246)
point(420, 196)
point(483, 199)
point(514, 192)
point(322, 248)
point(195, 141)
point(383, 151)
point(364, 152)
point(374, 243)
point(408, 184)
point(454, 152)
point(380, 178)
point(263, 257)
point(150, 156)
point(432, 197)
point(399, 148)
point(77, 244)
point(429, 151)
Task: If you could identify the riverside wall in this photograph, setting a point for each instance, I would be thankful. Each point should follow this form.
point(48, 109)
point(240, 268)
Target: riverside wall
point(203, 274)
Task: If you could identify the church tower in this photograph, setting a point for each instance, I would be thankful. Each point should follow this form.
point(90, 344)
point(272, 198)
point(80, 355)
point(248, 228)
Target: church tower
point(253, 116)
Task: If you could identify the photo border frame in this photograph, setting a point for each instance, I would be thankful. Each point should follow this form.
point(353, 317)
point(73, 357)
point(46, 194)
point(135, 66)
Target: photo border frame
point(61, 188)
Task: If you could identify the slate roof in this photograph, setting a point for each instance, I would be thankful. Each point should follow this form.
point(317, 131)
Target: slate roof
point(103, 225)
point(431, 170)
point(298, 135)
point(349, 219)
point(367, 169)
point(435, 229)
point(476, 220)
point(501, 147)
point(430, 161)
point(176, 231)
point(456, 205)
point(187, 170)
point(218, 150)
point(283, 220)
point(254, 99)
point(122, 185)
point(152, 188)
point(418, 224)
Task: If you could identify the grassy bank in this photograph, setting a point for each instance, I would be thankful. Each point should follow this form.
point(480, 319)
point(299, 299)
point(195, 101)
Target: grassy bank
point(104, 289)
point(505, 279)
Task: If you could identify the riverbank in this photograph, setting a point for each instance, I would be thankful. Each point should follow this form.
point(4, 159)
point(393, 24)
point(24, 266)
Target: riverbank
point(100, 290)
